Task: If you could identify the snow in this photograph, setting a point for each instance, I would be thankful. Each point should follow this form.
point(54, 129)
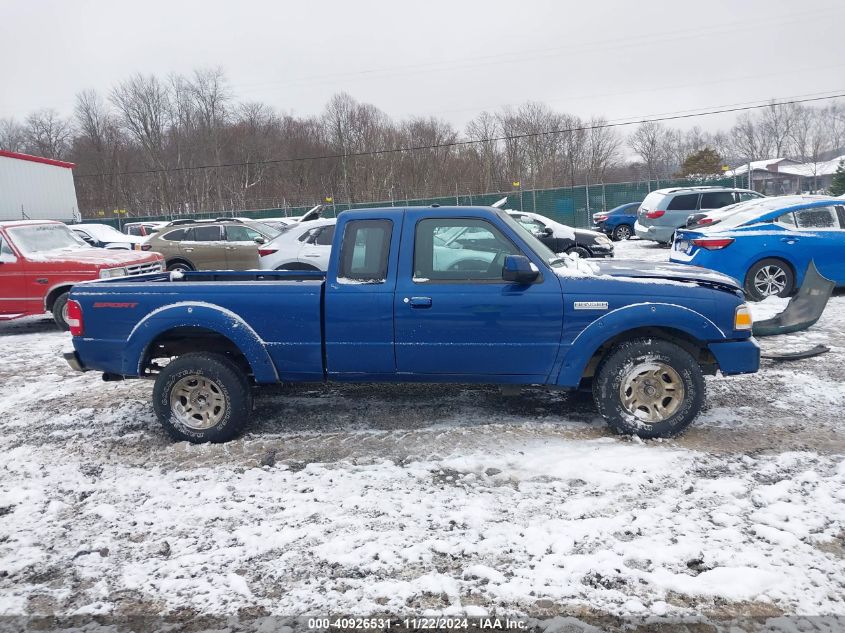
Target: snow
point(425, 499)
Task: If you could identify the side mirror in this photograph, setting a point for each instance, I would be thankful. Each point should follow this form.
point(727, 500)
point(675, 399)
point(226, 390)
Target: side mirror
point(519, 269)
point(260, 240)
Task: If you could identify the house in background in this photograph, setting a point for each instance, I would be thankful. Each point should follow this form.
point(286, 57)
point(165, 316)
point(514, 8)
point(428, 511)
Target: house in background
point(784, 176)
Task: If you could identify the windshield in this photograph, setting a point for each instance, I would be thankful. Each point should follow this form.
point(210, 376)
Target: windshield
point(40, 238)
point(102, 232)
point(545, 253)
point(266, 229)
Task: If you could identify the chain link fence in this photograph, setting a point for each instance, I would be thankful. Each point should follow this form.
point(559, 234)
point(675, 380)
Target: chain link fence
point(573, 206)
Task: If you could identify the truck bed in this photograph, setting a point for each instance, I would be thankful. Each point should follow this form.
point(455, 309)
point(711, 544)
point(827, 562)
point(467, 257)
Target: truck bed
point(279, 311)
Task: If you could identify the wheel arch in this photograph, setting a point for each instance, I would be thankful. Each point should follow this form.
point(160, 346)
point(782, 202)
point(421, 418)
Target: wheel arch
point(54, 293)
point(797, 273)
point(194, 326)
point(682, 326)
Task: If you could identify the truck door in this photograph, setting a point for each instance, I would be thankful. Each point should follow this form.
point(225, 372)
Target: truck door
point(455, 314)
point(13, 286)
point(241, 247)
point(359, 300)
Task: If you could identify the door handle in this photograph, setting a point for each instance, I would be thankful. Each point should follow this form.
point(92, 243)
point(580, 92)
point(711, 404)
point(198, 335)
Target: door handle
point(189, 250)
point(230, 248)
point(312, 254)
point(789, 240)
point(418, 302)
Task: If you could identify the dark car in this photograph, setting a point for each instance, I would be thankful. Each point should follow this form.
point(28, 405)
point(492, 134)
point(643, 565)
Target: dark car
point(618, 223)
point(565, 239)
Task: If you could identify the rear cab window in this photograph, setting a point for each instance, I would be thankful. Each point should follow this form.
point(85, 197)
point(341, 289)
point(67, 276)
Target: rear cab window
point(365, 251)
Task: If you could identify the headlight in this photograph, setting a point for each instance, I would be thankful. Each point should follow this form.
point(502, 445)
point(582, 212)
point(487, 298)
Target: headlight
point(108, 273)
point(602, 239)
point(742, 318)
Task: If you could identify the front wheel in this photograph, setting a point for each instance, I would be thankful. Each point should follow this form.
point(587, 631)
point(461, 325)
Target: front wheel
point(767, 278)
point(580, 251)
point(202, 397)
point(649, 387)
point(622, 232)
point(60, 311)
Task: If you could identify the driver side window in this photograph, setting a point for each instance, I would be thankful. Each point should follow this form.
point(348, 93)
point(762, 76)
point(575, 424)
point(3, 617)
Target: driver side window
point(460, 250)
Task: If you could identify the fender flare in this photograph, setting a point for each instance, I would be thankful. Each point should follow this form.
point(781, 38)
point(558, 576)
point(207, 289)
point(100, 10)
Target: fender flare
point(627, 318)
point(203, 315)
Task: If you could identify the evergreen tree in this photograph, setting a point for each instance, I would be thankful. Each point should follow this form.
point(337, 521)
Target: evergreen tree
point(837, 185)
point(704, 163)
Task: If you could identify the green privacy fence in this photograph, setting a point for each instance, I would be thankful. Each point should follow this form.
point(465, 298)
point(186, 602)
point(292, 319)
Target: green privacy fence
point(567, 205)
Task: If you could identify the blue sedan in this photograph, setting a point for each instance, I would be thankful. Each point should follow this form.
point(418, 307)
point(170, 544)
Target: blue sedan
point(618, 223)
point(767, 244)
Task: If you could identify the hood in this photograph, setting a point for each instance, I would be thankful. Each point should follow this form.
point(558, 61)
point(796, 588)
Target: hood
point(587, 234)
point(99, 257)
point(639, 269)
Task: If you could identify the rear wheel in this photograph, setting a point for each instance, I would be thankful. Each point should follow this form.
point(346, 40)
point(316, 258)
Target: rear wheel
point(649, 387)
point(60, 311)
point(769, 277)
point(202, 397)
point(622, 233)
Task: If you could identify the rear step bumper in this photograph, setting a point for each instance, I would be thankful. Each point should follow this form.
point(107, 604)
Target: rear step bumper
point(72, 359)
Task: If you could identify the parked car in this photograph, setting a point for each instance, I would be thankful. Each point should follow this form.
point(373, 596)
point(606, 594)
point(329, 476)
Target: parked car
point(142, 229)
point(41, 260)
point(303, 246)
point(560, 238)
point(224, 243)
point(390, 309)
point(618, 223)
point(105, 236)
point(665, 210)
point(768, 244)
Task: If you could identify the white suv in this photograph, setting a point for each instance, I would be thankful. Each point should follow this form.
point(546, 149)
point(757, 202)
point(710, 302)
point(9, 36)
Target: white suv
point(303, 246)
point(665, 210)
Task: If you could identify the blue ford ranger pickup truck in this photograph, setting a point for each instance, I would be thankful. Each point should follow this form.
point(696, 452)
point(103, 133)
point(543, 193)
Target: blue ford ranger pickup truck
point(427, 294)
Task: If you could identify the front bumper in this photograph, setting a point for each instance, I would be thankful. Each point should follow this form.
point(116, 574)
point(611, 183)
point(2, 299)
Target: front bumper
point(72, 359)
point(602, 252)
point(737, 357)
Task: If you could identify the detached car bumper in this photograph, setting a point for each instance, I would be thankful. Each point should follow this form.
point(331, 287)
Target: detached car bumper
point(72, 359)
point(737, 357)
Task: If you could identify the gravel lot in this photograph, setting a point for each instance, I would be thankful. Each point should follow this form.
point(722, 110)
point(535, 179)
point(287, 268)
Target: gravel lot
point(367, 499)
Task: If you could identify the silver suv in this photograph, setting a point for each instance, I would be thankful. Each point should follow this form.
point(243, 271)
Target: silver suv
point(665, 210)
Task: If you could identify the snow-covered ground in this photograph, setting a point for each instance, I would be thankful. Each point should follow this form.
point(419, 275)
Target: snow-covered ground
point(365, 499)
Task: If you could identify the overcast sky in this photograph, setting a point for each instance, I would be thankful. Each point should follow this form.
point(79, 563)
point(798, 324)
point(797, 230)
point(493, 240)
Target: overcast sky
point(450, 59)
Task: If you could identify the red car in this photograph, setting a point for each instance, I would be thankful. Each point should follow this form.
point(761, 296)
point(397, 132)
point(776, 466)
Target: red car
point(41, 260)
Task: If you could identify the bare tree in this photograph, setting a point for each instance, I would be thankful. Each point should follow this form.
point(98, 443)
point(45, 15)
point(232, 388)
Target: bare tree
point(649, 142)
point(47, 134)
point(12, 135)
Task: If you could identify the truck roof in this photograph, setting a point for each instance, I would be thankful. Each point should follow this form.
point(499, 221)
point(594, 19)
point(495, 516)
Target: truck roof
point(457, 210)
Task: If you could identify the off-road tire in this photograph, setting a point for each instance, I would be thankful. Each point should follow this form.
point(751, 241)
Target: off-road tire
point(59, 311)
point(232, 383)
point(613, 369)
point(751, 291)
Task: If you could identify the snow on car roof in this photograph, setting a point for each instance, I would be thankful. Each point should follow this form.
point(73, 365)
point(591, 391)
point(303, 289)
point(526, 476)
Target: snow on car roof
point(754, 209)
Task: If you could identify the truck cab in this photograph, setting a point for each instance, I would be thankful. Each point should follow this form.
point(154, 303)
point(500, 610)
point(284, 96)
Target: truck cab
point(425, 294)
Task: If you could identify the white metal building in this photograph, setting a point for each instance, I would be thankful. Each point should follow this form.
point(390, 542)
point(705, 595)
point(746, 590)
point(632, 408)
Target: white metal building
point(36, 188)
